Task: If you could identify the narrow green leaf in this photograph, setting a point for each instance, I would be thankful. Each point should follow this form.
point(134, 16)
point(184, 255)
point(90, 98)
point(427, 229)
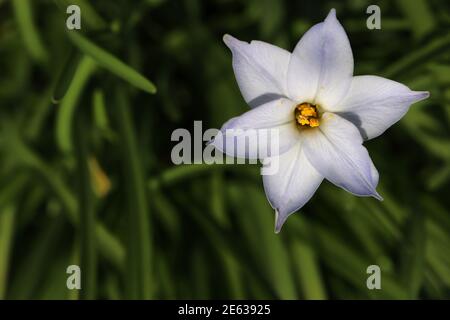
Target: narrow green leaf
point(6, 235)
point(308, 270)
point(139, 267)
point(412, 253)
point(200, 273)
point(88, 257)
point(66, 110)
point(166, 283)
point(108, 245)
point(438, 178)
point(66, 75)
point(266, 246)
point(24, 17)
point(420, 16)
point(176, 174)
point(26, 279)
point(100, 115)
point(111, 63)
point(234, 274)
point(417, 57)
point(166, 213)
point(40, 113)
point(347, 264)
point(218, 199)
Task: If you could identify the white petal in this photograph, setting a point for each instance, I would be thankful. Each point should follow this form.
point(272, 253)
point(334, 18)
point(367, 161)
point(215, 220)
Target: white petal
point(321, 66)
point(252, 135)
point(335, 149)
point(374, 104)
point(260, 69)
point(292, 186)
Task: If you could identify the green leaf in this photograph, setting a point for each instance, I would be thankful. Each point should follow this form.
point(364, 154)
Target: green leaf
point(100, 115)
point(24, 17)
point(111, 63)
point(26, 279)
point(66, 76)
point(139, 242)
point(412, 253)
point(420, 16)
point(417, 57)
point(64, 121)
point(108, 244)
point(7, 217)
point(257, 221)
point(88, 253)
point(308, 271)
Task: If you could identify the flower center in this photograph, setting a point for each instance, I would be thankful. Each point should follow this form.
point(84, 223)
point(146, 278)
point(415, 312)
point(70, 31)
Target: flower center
point(306, 115)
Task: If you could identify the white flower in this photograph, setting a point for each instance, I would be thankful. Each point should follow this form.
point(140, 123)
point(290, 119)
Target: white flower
point(323, 113)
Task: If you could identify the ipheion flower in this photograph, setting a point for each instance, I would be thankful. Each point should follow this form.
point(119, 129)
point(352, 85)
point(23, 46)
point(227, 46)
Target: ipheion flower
point(321, 111)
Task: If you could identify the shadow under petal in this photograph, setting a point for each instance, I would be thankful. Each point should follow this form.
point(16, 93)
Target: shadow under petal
point(356, 120)
point(265, 98)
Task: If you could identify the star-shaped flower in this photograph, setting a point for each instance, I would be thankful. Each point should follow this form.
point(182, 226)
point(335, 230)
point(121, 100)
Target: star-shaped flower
point(322, 113)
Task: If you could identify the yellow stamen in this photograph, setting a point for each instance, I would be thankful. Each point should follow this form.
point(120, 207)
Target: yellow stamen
point(303, 121)
point(313, 122)
point(306, 114)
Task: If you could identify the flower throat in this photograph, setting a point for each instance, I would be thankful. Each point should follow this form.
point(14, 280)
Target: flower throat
point(306, 115)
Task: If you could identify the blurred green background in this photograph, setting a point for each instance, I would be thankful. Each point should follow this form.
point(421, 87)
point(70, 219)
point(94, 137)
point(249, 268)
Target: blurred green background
point(89, 181)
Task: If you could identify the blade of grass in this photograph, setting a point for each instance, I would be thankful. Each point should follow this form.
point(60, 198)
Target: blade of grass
point(308, 270)
point(417, 57)
point(166, 285)
point(36, 120)
point(267, 247)
point(66, 111)
point(24, 16)
point(108, 245)
point(218, 208)
point(100, 115)
point(234, 275)
point(66, 75)
point(6, 236)
point(111, 287)
point(341, 258)
point(220, 237)
point(412, 253)
point(86, 213)
point(200, 273)
point(167, 213)
point(181, 173)
point(26, 279)
point(111, 63)
point(419, 15)
point(139, 267)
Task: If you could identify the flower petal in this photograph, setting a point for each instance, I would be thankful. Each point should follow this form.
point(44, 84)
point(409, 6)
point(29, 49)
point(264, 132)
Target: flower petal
point(374, 104)
point(292, 185)
point(335, 149)
point(260, 69)
point(268, 130)
point(321, 66)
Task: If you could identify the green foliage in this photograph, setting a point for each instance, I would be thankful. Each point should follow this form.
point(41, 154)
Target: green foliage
point(87, 177)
